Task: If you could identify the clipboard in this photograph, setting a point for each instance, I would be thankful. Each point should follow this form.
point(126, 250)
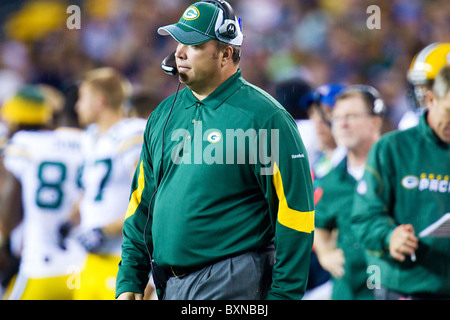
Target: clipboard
point(438, 229)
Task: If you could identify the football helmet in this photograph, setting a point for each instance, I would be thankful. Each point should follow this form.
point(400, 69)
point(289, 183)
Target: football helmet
point(424, 68)
point(27, 106)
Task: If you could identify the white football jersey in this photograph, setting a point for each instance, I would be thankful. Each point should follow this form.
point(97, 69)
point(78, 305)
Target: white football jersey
point(110, 162)
point(47, 164)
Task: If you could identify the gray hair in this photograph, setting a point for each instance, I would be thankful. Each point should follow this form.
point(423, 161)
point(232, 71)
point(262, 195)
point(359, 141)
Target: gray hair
point(442, 82)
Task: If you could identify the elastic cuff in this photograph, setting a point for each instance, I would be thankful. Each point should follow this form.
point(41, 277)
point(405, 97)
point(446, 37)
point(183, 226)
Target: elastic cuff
point(387, 240)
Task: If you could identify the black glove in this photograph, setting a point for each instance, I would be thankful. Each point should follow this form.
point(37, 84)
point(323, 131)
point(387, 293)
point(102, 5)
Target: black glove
point(63, 232)
point(92, 240)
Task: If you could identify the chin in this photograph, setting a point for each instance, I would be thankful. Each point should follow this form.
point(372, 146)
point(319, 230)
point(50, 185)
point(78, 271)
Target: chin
point(183, 78)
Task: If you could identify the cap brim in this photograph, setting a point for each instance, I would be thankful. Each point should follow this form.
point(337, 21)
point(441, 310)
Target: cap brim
point(183, 34)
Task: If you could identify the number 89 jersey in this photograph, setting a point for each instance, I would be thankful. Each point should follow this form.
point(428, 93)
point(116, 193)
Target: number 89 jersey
point(110, 161)
point(47, 165)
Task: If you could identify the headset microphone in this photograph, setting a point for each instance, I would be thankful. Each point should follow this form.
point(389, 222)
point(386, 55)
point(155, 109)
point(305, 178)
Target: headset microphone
point(169, 65)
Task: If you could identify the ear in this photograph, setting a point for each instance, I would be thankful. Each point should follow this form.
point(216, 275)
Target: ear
point(227, 55)
point(378, 121)
point(100, 100)
point(430, 99)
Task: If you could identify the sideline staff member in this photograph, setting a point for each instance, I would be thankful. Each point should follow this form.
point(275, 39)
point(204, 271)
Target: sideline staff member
point(357, 121)
point(405, 188)
point(212, 226)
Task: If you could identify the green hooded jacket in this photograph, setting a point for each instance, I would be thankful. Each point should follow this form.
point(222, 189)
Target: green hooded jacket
point(406, 182)
point(235, 177)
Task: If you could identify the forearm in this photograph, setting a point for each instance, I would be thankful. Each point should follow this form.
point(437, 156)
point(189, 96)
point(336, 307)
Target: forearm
point(134, 267)
point(130, 296)
point(372, 229)
point(11, 211)
point(114, 228)
point(291, 270)
point(323, 241)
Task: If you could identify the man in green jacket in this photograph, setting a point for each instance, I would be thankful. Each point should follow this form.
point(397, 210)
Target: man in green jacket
point(405, 189)
point(222, 197)
point(356, 122)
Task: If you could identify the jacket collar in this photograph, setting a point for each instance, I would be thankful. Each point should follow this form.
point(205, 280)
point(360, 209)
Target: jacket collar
point(218, 96)
point(428, 132)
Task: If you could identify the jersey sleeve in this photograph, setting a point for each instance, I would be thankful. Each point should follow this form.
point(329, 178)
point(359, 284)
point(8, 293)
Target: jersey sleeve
point(371, 221)
point(285, 179)
point(16, 155)
point(129, 150)
point(134, 266)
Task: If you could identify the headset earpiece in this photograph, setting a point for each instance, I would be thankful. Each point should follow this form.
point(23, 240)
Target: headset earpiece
point(228, 29)
point(372, 94)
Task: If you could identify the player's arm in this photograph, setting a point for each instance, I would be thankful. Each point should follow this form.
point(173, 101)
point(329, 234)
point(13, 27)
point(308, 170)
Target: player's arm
point(114, 228)
point(134, 266)
point(130, 149)
point(130, 296)
point(74, 217)
point(11, 211)
point(289, 192)
point(330, 257)
point(371, 219)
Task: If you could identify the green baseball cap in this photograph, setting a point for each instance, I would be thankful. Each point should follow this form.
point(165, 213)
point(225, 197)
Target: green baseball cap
point(198, 24)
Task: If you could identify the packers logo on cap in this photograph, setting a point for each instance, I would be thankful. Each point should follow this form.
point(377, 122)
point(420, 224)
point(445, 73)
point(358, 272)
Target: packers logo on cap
point(201, 22)
point(191, 13)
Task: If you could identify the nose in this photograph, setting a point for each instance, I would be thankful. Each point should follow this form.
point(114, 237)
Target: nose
point(180, 53)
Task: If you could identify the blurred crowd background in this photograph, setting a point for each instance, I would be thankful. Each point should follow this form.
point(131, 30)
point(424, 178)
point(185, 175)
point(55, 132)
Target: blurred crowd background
point(319, 41)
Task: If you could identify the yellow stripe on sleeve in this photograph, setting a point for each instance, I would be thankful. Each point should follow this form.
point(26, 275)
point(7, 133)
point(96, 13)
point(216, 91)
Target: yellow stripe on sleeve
point(293, 219)
point(135, 199)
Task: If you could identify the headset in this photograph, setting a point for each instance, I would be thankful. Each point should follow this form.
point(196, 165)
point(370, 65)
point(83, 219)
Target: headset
point(373, 97)
point(228, 30)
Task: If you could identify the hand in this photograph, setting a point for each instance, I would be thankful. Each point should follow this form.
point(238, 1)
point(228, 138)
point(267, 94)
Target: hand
point(92, 239)
point(130, 296)
point(333, 262)
point(403, 242)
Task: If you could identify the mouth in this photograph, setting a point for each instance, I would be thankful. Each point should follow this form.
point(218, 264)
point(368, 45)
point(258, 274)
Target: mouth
point(183, 68)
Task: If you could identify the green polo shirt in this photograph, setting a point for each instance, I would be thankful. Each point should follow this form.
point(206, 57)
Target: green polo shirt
point(235, 177)
point(333, 210)
point(406, 182)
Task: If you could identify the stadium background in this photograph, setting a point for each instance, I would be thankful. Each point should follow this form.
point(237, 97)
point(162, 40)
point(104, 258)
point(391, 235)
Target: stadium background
point(319, 41)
